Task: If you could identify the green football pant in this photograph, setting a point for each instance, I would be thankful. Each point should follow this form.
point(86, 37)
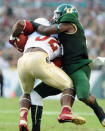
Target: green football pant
point(81, 82)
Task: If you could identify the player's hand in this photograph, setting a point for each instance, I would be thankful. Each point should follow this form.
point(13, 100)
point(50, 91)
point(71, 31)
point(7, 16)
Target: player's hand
point(19, 42)
point(13, 38)
point(99, 61)
point(13, 41)
point(17, 28)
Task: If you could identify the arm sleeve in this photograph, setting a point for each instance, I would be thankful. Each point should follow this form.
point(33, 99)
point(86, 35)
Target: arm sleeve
point(28, 27)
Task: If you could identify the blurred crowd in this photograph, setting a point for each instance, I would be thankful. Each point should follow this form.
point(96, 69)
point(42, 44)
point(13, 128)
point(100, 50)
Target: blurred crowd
point(91, 15)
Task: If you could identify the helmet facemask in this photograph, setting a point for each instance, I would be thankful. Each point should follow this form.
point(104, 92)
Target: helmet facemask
point(56, 16)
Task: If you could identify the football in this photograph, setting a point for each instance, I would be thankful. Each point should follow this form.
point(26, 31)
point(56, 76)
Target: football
point(20, 43)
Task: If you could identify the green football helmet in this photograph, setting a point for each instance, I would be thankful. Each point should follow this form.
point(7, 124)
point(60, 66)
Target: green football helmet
point(64, 9)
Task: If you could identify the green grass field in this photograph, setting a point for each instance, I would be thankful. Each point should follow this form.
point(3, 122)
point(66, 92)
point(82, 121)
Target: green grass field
point(9, 116)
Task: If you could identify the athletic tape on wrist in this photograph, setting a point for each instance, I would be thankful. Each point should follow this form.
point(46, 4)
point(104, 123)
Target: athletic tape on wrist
point(57, 25)
point(25, 99)
point(68, 95)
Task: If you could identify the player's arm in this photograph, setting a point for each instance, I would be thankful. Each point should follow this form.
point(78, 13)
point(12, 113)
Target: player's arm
point(29, 27)
point(54, 29)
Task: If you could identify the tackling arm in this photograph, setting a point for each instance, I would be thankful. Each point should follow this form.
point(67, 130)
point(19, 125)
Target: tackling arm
point(28, 27)
point(53, 29)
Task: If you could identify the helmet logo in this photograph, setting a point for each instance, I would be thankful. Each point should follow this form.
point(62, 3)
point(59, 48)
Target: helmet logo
point(69, 10)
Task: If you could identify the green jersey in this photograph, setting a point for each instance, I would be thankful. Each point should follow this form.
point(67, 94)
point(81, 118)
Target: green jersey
point(75, 50)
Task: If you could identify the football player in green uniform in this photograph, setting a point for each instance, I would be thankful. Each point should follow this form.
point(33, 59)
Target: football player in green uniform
point(75, 59)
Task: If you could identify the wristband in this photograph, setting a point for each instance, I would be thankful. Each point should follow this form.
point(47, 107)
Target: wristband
point(57, 25)
point(35, 25)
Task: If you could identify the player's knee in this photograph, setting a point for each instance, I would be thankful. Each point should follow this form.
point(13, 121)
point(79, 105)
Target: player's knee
point(68, 84)
point(26, 90)
point(88, 101)
point(71, 84)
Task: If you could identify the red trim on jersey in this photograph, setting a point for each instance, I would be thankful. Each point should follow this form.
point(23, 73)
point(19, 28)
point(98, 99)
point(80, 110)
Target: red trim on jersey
point(38, 38)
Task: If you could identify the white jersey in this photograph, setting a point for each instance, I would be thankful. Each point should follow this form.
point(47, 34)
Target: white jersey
point(47, 43)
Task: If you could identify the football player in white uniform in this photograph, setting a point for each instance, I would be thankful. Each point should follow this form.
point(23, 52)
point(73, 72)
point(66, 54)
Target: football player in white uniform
point(35, 63)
